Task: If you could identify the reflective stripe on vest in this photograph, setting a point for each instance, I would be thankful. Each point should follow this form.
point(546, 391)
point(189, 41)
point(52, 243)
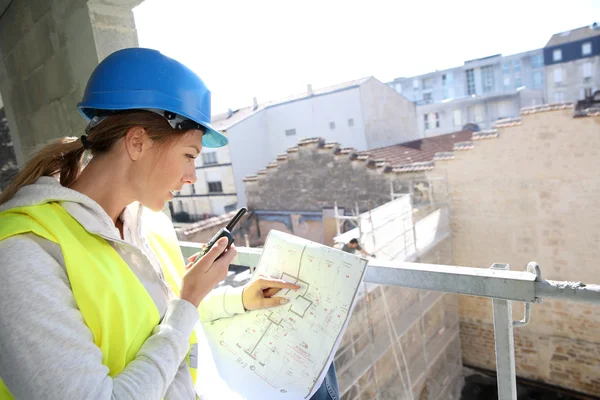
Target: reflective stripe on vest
point(113, 302)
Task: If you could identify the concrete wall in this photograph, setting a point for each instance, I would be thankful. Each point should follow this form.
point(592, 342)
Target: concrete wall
point(222, 172)
point(310, 117)
point(250, 150)
point(389, 118)
point(48, 50)
point(533, 193)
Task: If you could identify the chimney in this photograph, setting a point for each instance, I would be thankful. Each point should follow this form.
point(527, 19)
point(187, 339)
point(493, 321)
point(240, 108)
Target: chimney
point(254, 103)
point(309, 89)
point(229, 113)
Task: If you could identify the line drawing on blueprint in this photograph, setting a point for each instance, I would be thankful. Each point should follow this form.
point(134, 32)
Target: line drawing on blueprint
point(289, 347)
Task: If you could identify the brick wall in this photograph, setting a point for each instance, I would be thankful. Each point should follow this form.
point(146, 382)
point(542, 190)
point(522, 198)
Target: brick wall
point(532, 193)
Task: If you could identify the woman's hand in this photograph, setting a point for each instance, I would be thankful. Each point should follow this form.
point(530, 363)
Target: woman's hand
point(199, 280)
point(259, 293)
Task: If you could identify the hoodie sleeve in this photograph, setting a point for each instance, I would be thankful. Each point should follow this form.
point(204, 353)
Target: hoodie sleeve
point(222, 302)
point(48, 351)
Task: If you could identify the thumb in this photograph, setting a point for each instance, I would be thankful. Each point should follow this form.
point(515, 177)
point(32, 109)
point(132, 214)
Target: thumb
point(274, 302)
point(216, 250)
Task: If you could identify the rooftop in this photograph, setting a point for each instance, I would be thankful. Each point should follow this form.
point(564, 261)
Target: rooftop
point(574, 35)
point(228, 119)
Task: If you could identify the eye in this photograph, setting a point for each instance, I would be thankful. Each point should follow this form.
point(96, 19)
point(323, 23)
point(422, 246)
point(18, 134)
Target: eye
point(191, 156)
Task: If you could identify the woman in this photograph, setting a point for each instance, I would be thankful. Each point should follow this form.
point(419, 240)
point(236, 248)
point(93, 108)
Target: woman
point(93, 306)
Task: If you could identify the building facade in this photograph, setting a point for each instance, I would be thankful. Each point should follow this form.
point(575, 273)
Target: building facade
point(214, 190)
point(572, 62)
point(363, 114)
point(476, 94)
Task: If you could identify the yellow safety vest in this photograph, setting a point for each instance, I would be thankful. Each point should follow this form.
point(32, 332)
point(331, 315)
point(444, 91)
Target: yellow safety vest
point(114, 304)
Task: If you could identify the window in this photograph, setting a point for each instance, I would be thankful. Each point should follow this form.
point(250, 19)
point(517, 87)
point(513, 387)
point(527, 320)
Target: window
point(518, 82)
point(538, 79)
point(332, 125)
point(416, 84)
point(290, 132)
point(507, 85)
point(350, 122)
point(398, 88)
point(537, 61)
point(517, 71)
point(215, 187)
point(457, 118)
point(586, 70)
point(487, 76)
point(517, 66)
point(427, 83)
point(427, 99)
point(209, 158)
point(586, 49)
point(585, 92)
point(559, 97)
point(470, 81)
point(477, 113)
point(447, 83)
point(588, 92)
point(558, 75)
point(437, 120)
point(426, 121)
point(506, 68)
point(557, 55)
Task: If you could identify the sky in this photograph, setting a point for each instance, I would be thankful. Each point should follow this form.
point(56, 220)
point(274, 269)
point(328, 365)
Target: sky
point(270, 49)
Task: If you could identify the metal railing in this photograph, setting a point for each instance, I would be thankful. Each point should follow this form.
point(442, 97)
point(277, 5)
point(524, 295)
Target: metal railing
point(498, 282)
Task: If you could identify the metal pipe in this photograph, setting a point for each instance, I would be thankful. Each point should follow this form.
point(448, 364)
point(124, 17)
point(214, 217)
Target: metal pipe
point(526, 317)
point(505, 345)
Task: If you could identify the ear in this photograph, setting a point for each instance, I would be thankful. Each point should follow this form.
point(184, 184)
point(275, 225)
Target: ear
point(136, 142)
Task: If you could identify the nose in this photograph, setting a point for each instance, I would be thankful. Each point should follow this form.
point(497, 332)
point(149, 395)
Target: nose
point(190, 175)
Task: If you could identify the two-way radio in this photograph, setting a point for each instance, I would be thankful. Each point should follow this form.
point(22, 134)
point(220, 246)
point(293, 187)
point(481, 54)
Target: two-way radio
point(224, 232)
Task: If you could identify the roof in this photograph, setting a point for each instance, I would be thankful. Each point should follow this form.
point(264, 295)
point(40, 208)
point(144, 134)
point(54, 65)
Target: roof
point(573, 36)
point(224, 121)
point(208, 223)
point(422, 150)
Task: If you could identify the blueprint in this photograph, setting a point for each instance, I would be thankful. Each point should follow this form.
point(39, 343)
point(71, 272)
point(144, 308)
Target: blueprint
point(284, 352)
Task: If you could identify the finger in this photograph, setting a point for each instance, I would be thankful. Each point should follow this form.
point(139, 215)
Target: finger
point(273, 302)
point(216, 250)
point(229, 255)
point(267, 283)
point(193, 257)
point(270, 292)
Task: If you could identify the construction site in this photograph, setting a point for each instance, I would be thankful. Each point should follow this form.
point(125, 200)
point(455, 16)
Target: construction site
point(471, 209)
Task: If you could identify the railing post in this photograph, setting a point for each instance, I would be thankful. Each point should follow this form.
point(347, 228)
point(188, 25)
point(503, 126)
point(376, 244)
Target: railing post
point(505, 346)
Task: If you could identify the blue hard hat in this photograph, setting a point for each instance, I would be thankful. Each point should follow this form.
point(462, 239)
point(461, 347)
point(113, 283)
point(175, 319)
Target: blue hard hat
point(138, 78)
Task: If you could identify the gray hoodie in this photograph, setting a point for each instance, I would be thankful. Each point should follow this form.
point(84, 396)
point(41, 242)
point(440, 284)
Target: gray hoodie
point(46, 349)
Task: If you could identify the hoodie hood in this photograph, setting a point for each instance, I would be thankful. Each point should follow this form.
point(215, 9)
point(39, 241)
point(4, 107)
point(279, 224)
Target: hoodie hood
point(85, 210)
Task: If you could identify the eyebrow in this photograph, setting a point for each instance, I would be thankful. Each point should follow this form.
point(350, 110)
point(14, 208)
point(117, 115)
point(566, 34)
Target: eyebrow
point(195, 147)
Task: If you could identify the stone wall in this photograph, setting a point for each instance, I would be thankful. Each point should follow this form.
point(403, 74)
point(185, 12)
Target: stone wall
point(531, 192)
point(48, 51)
point(314, 175)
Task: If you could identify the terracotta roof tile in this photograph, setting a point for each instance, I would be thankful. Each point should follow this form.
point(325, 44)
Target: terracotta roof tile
point(422, 150)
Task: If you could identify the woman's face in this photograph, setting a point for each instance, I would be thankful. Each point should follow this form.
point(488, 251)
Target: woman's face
point(167, 168)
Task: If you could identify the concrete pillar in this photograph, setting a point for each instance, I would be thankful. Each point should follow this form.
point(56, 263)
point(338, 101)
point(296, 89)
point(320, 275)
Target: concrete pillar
point(48, 49)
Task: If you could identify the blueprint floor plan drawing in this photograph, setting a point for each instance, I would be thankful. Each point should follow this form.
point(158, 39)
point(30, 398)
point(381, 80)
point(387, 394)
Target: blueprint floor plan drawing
point(284, 352)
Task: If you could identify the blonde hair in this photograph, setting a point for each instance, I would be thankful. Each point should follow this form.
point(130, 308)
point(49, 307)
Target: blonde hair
point(64, 158)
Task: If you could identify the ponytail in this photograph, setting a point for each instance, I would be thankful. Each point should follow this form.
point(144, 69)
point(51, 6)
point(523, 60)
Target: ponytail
point(63, 158)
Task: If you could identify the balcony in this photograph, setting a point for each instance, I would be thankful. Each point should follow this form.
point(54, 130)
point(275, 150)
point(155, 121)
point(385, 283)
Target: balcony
point(497, 282)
